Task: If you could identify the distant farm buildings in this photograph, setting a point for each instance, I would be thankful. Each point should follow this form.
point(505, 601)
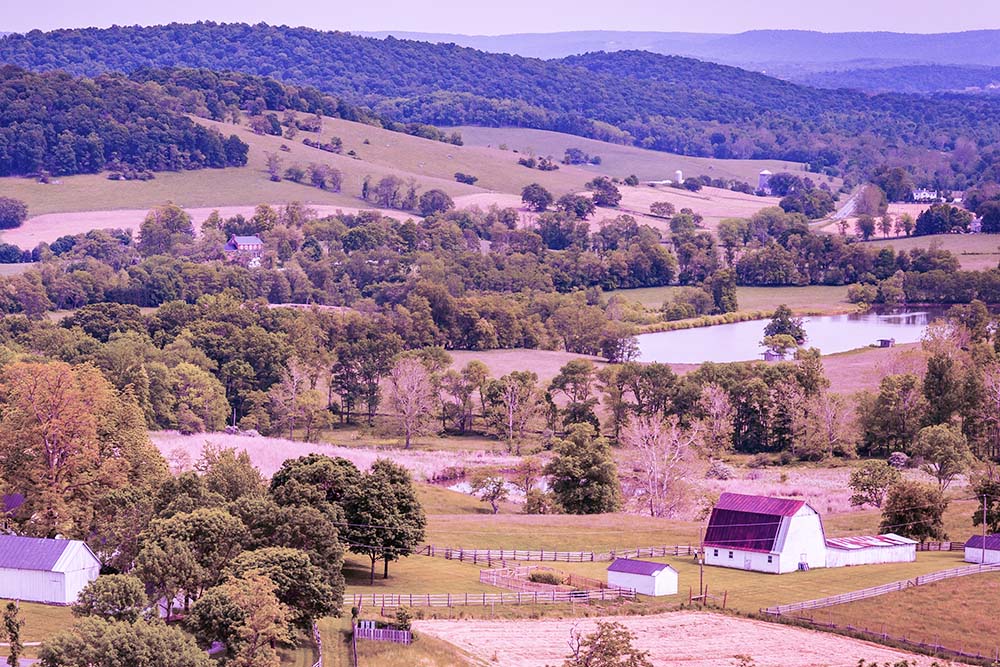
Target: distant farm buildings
point(925, 195)
point(643, 576)
point(244, 249)
point(980, 550)
point(764, 182)
point(42, 570)
point(779, 535)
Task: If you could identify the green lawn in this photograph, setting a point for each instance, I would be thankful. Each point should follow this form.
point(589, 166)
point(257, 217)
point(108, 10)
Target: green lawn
point(815, 299)
point(957, 613)
point(41, 621)
point(975, 252)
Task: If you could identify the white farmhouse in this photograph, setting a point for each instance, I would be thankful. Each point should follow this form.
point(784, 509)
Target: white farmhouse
point(42, 570)
point(643, 576)
point(764, 534)
point(978, 550)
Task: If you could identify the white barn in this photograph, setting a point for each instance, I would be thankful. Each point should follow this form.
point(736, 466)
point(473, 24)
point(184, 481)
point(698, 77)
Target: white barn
point(42, 570)
point(869, 550)
point(763, 534)
point(985, 551)
point(643, 576)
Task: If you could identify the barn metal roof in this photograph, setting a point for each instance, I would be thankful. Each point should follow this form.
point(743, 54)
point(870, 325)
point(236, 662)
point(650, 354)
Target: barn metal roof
point(247, 240)
point(31, 553)
point(868, 541)
point(992, 542)
point(746, 531)
point(741, 502)
point(645, 567)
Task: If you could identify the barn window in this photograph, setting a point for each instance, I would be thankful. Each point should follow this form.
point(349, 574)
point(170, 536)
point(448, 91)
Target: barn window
point(770, 559)
point(730, 554)
point(715, 552)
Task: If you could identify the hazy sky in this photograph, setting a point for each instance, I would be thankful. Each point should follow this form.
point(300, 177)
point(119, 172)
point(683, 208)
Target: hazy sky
point(507, 16)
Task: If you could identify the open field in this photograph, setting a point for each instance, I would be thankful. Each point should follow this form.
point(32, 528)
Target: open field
point(619, 160)
point(857, 370)
point(975, 252)
point(957, 613)
point(425, 651)
point(713, 204)
point(182, 451)
point(545, 363)
point(698, 639)
point(50, 226)
point(41, 621)
point(815, 299)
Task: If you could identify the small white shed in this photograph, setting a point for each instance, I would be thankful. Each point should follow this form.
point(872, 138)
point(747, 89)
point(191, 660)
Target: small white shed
point(42, 570)
point(979, 551)
point(643, 576)
point(869, 550)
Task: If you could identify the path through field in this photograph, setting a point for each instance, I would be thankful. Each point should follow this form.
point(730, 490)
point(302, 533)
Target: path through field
point(692, 639)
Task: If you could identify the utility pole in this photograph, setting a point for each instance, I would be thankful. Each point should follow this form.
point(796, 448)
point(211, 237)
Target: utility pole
point(701, 564)
point(984, 530)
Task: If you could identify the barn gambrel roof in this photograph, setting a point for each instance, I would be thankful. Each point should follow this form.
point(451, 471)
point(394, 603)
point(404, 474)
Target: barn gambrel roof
point(40, 554)
point(748, 523)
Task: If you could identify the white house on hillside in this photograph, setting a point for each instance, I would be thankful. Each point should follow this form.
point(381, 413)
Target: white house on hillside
point(41, 570)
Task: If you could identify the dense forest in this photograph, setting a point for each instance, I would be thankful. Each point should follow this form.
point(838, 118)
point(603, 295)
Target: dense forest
point(660, 102)
point(53, 122)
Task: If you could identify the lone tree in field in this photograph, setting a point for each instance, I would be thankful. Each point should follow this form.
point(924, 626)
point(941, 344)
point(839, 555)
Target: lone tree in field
point(990, 489)
point(386, 518)
point(584, 478)
point(536, 198)
point(945, 452)
point(871, 482)
point(490, 486)
point(914, 510)
point(608, 646)
point(410, 396)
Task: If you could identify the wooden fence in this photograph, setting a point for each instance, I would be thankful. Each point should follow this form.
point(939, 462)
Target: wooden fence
point(875, 591)
point(516, 579)
point(383, 600)
point(936, 649)
point(367, 630)
point(941, 546)
point(490, 556)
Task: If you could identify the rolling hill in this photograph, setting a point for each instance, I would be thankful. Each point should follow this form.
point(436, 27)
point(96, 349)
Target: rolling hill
point(660, 102)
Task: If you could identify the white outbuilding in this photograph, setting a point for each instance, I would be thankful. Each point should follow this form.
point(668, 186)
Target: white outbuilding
point(978, 550)
point(643, 577)
point(869, 550)
point(764, 534)
point(43, 570)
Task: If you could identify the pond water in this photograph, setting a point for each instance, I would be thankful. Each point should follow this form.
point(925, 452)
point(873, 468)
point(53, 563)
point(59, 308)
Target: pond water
point(741, 341)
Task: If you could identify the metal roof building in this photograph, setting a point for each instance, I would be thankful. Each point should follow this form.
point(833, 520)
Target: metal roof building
point(978, 550)
point(43, 570)
point(643, 576)
point(870, 549)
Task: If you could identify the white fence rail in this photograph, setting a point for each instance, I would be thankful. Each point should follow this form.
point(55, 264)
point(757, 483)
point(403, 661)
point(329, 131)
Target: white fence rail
point(383, 600)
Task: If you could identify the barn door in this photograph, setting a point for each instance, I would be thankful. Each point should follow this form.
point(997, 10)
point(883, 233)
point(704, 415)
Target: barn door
point(747, 564)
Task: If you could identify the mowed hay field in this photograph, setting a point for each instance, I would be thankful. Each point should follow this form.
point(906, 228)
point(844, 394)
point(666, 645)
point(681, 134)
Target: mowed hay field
point(714, 204)
point(619, 160)
point(975, 252)
point(802, 300)
point(431, 164)
point(698, 639)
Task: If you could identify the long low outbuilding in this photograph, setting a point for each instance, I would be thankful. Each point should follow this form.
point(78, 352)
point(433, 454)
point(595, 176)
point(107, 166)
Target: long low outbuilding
point(870, 550)
point(35, 569)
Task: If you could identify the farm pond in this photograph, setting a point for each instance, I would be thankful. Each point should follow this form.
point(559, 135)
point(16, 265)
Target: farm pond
point(741, 341)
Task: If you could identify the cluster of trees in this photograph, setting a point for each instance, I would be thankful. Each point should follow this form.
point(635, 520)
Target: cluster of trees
point(938, 285)
point(55, 123)
point(640, 104)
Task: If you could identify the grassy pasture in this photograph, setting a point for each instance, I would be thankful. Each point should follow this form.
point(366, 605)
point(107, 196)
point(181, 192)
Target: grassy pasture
point(713, 204)
point(975, 252)
point(620, 160)
point(815, 299)
point(41, 621)
point(426, 651)
point(957, 613)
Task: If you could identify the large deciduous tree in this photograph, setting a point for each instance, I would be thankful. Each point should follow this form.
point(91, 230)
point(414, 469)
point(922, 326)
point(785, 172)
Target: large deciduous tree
point(410, 396)
point(945, 452)
point(94, 642)
point(164, 229)
point(914, 510)
point(662, 451)
point(512, 402)
point(584, 477)
point(871, 482)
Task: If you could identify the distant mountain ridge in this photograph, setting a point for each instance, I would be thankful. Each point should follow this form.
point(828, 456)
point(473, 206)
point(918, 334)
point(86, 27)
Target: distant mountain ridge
point(755, 48)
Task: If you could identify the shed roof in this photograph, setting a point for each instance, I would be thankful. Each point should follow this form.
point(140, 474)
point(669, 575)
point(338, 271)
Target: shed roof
point(868, 541)
point(992, 542)
point(645, 567)
point(741, 502)
point(35, 553)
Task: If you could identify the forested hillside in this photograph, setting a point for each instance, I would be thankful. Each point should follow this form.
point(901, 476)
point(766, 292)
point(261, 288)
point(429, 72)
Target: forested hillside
point(57, 123)
point(665, 103)
point(910, 79)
